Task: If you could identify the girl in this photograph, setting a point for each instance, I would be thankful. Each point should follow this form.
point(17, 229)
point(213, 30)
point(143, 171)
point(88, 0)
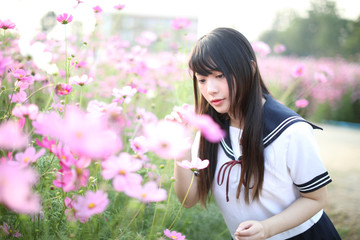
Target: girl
point(266, 175)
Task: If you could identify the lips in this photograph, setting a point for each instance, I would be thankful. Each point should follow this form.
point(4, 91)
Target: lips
point(217, 102)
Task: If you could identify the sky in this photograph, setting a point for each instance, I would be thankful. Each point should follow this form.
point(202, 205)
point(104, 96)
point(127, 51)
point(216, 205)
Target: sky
point(250, 17)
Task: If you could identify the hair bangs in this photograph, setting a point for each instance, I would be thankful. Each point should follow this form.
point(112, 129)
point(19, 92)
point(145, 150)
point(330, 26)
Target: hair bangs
point(201, 61)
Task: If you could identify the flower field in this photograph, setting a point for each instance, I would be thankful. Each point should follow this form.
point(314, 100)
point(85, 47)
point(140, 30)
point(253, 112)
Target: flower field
point(86, 149)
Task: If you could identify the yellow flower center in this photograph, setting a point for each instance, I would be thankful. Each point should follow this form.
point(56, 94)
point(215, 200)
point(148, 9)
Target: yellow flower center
point(21, 76)
point(173, 237)
point(122, 172)
point(79, 135)
point(91, 206)
point(26, 159)
point(143, 195)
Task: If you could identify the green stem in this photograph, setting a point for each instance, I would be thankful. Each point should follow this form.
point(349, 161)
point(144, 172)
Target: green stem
point(131, 221)
point(33, 93)
point(66, 68)
point(81, 89)
point(8, 109)
point(167, 205)
point(182, 204)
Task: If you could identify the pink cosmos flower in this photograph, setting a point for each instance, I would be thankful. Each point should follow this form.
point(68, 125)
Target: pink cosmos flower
point(11, 136)
point(124, 94)
point(122, 169)
point(146, 38)
point(90, 204)
point(145, 117)
point(18, 97)
point(261, 48)
point(8, 231)
point(208, 127)
point(119, 6)
point(298, 71)
point(7, 24)
point(138, 145)
point(58, 107)
point(320, 77)
point(279, 48)
point(64, 18)
point(71, 213)
point(167, 139)
point(29, 155)
point(180, 23)
point(85, 135)
point(194, 165)
point(302, 103)
point(16, 188)
point(21, 75)
point(81, 81)
point(46, 143)
point(147, 193)
point(26, 111)
point(71, 179)
point(62, 89)
point(174, 235)
point(97, 9)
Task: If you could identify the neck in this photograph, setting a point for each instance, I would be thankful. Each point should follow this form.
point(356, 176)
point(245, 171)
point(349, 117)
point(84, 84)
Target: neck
point(234, 122)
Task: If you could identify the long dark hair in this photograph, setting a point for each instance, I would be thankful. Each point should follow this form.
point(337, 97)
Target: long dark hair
point(226, 50)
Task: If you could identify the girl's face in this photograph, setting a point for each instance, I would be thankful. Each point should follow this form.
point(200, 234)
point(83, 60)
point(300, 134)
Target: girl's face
point(214, 88)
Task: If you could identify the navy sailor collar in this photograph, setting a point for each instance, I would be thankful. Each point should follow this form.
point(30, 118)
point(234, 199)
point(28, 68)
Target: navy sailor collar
point(277, 118)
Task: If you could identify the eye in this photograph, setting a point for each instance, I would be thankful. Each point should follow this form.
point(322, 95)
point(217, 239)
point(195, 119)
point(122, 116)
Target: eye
point(220, 76)
point(201, 81)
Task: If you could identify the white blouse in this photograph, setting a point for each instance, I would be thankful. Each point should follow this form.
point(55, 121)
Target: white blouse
point(292, 163)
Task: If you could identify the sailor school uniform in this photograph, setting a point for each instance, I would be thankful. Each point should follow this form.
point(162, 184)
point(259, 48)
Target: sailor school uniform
point(292, 165)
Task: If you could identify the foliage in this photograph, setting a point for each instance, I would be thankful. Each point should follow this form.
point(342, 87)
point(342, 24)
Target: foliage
point(322, 33)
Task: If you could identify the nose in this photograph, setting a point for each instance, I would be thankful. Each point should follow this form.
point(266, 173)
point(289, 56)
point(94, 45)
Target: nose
point(212, 86)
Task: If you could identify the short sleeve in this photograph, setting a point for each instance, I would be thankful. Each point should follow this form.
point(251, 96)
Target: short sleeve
point(195, 146)
point(303, 159)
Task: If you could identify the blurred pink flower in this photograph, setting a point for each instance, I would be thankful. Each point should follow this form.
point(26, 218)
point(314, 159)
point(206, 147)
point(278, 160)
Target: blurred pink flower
point(85, 135)
point(71, 179)
point(16, 188)
point(301, 103)
point(138, 144)
point(8, 231)
point(58, 107)
point(97, 9)
point(62, 89)
point(7, 24)
point(20, 75)
point(298, 70)
point(124, 94)
point(122, 169)
point(194, 165)
point(64, 18)
point(208, 127)
point(279, 48)
point(29, 155)
point(26, 111)
point(146, 38)
point(119, 6)
point(320, 77)
point(180, 23)
point(167, 139)
point(90, 204)
point(261, 48)
point(174, 235)
point(147, 193)
point(81, 81)
point(11, 136)
point(18, 97)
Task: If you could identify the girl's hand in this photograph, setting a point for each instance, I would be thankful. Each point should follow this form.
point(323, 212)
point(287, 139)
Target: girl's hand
point(250, 230)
